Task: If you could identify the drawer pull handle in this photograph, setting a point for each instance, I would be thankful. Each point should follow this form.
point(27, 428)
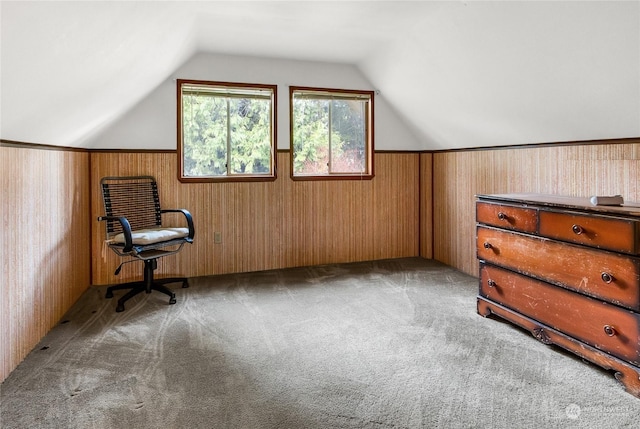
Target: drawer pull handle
point(577, 229)
point(502, 216)
point(606, 277)
point(609, 330)
point(491, 283)
point(487, 245)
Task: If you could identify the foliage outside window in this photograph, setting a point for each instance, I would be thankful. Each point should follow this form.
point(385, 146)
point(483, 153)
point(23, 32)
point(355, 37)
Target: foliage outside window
point(226, 131)
point(331, 133)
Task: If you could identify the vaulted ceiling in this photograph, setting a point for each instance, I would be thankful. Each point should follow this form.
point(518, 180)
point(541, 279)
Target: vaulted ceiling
point(458, 73)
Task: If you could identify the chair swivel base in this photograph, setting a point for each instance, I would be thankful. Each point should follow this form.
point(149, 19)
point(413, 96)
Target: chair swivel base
point(147, 285)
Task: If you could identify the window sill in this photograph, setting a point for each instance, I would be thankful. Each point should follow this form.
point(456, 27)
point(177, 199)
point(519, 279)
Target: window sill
point(227, 179)
point(333, 177)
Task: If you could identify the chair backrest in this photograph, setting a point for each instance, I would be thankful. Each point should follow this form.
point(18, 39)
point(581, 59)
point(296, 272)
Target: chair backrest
point(133, 197)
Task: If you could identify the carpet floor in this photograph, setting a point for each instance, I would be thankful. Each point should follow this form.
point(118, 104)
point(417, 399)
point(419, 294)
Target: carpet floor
point(381, 344)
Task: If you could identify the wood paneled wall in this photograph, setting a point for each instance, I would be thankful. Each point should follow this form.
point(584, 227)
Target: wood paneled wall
point(268, 225)
point(44, 241)
point(426, 205)
point(51, 199)
point(576, 169)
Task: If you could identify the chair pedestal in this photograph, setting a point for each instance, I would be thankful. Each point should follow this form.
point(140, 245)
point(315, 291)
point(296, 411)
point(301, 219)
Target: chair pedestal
point(146, 285)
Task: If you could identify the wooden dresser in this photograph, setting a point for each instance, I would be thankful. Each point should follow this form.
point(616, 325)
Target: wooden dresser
point(567, 271)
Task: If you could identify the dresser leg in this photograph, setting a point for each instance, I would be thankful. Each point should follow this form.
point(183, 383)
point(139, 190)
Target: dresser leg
point(627, 374)
point(484, 308)
point(630, 378)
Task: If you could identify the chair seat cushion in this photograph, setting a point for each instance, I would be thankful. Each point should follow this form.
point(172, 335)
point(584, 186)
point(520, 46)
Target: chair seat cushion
point(154, 235)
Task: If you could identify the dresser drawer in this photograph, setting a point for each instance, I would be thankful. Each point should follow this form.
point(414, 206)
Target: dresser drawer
point(605, 232)
point(604, 326)
point(504, 216)
point(609, 276)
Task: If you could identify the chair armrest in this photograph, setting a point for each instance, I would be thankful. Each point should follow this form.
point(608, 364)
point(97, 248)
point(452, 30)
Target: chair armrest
point(126, 230)
point(187, 216)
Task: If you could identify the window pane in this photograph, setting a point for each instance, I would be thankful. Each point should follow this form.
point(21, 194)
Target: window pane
point(310, 136)
point(331, 133)
point(348, 150)
point(204, 135)
point(250, 132)
point(226, 131)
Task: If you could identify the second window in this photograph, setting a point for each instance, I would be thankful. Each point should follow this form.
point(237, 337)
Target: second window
point(331, 133)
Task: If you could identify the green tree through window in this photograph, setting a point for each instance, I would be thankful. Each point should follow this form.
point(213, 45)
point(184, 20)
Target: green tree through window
point(226, 131)
point(331, 133)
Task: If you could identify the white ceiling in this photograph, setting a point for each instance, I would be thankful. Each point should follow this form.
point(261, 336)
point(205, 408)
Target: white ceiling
point(459, 73)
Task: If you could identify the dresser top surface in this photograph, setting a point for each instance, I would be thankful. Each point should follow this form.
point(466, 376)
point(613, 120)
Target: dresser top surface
point(564, 202)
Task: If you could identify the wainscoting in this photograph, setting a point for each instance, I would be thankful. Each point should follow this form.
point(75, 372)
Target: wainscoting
point(426, 205)
point(45, 244)
point(610, 168)
point(268, 225)
point(418, 204)
point(53, 194)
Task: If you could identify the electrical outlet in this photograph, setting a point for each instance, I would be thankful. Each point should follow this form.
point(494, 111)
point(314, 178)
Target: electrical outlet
point(217, 237)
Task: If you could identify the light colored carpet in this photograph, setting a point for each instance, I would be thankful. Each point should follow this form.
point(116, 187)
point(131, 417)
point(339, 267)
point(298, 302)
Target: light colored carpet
point(384, 344)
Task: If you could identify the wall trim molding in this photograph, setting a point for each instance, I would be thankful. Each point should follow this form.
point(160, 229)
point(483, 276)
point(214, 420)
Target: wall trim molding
point(133, 151)
point(626, 140)
point(40, 146)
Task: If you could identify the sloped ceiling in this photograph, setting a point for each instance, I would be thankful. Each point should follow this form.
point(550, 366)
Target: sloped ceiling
point(459, 73)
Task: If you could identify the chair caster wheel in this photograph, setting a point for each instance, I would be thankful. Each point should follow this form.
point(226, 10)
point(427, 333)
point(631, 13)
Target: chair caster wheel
point(172, 300)
point(120, 308)
point(185, 284)
point(109, 294)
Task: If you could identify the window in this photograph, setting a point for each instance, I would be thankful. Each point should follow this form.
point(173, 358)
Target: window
point(331, 133)
point(226, 131)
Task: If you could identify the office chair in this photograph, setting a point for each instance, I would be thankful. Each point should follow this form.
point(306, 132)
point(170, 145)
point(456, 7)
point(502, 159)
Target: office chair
point(133, 217)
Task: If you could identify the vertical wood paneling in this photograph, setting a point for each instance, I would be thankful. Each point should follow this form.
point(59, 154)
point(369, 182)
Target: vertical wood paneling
point(426, 206)
point(575, 170)
point(45, 194)
point(268, 225)
point(44, 241)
